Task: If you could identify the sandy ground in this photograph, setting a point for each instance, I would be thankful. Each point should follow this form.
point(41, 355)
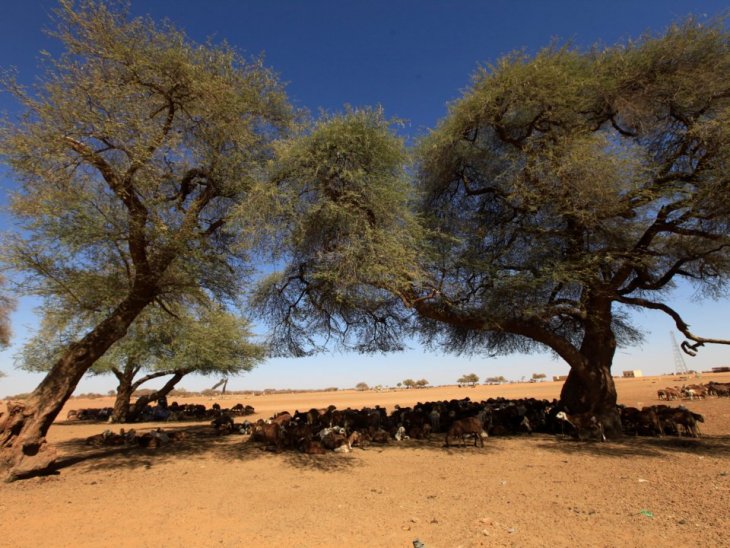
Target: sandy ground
point(516, 491)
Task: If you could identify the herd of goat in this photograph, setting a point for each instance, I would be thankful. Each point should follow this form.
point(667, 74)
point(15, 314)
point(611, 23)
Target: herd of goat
point(331, 429)
point(695, 391)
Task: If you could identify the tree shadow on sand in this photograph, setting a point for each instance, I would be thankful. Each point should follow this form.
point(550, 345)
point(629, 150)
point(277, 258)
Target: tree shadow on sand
point(201, 442)
point(630, 446)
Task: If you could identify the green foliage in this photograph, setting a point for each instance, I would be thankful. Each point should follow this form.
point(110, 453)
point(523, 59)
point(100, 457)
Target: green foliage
point(349, 241)
point(409, 383)
point(7, 304)
point(574, 180)
point(560, 190)
point(203, 340)
point(538, 376)
point(133, 152)
point(362, 386)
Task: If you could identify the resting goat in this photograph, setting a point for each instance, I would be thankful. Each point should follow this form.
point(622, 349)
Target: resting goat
point(470, 426)
point(585, 425)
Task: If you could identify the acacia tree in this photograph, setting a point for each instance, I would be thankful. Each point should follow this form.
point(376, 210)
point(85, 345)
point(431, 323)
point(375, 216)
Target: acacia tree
point(560, 192)
point(470, 378)
point(576, 185)
point(157, 344)
point(131, 155)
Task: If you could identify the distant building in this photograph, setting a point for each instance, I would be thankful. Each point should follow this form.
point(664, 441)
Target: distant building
point(633, 373)
point(558, 378)
point(723, 369)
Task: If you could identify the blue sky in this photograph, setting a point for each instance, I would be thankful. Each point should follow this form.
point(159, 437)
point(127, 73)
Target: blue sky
point(413, 58)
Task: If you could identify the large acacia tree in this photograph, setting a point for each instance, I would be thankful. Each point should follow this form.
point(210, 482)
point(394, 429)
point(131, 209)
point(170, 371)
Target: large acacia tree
point(131, 154)
point(560, 192)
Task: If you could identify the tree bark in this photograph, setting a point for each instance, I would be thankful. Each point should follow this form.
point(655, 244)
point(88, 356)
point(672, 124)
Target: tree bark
point(124, 394)
point(23, 447)
point(590, 388)
point(142, 401)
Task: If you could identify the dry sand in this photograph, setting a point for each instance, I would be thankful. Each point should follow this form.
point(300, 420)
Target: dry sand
point(516, 491)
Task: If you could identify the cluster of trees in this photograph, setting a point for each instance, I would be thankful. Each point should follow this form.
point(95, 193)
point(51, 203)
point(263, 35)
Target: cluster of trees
point(495, 380)
point(472, 379)
point(560, 192)
point(410, 383)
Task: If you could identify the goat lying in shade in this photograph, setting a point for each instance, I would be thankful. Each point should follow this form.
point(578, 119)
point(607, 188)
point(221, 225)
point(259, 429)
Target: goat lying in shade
point(470, 426)
point(585, 425)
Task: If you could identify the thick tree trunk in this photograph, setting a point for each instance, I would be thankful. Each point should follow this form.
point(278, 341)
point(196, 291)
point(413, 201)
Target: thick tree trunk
point(124, 395)
point(590, 388)
point(125, 389)
point(593, 392)
point(142, 401)
point(23, 447)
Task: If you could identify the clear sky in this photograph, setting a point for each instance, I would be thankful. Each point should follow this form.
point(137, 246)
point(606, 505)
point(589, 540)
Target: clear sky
point(411, 57)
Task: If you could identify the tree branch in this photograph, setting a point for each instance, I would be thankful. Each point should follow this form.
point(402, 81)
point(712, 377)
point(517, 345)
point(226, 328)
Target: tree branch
point(139, 382)
point(682, 326)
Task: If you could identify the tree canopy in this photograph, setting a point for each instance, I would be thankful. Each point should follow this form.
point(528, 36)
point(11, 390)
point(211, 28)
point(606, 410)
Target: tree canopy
point(346, 234)
point(469, 378)
point(560, 191)
point(133, 153)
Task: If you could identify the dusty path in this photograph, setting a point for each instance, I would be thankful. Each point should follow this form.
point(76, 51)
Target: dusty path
point(539, 491)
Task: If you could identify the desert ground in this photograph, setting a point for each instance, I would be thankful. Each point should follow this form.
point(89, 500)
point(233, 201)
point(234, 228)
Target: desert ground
point(516, 491)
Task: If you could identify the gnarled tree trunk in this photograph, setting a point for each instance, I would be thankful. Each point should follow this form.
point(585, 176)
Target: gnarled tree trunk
point(124, 393)
point(23, 447)
point(590, 388)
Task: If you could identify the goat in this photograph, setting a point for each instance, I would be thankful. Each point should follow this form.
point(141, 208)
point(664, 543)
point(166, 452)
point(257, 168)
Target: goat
point(313, 447)
point(672, 394)
point(379, 436)
point(645, 422)
point(223, 424)
point(271, 434)
point(334, 440)
point(470, 426)
point(681, 416)
point(583, 424)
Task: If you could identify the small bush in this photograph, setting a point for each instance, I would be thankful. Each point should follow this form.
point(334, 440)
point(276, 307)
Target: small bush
point(21, 396)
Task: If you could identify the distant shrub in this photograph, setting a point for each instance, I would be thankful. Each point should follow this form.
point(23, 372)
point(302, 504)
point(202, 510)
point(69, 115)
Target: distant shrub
point(21, 396)
point(90, 396)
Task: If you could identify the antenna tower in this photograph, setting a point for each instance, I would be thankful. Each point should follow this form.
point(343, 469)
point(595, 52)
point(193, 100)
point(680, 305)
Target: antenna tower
point(680, 368)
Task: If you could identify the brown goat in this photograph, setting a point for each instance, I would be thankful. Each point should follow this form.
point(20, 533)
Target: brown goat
point(470, 426)
point(271, 434)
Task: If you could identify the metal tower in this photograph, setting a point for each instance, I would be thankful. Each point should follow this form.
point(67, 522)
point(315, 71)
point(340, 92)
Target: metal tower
point(680, 368)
